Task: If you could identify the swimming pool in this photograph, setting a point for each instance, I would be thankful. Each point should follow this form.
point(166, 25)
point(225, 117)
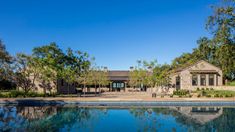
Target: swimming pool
point(116, 119)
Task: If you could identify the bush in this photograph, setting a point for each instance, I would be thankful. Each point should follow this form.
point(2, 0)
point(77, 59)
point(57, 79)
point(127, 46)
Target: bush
point(207, 89)
point(190, 96)
point(171, 96)
point(198, 89)
point(217, 95)
point(203, 93)
point(181, 92)
point(208, 95)
point(211, 89)
point(15, 94)
point(199, 95)
point(203, 89)
point(228, 95)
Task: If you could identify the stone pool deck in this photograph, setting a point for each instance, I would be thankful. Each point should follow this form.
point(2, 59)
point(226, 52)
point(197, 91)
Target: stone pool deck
point(117, 99)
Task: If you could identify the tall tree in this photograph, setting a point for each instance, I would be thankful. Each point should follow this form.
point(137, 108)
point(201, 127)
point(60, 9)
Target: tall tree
point(5, 61)
point(25, 73)
point(222, 26)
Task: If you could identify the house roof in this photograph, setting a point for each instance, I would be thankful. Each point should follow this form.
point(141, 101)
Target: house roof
point(188, 65)
point(118, 75)
point(203, 71)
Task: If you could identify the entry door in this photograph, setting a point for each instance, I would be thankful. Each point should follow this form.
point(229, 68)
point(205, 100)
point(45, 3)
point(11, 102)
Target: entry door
point(177, 83)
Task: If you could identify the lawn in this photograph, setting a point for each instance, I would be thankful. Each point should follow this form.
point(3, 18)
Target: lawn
point(231, 83)
point(217, 93)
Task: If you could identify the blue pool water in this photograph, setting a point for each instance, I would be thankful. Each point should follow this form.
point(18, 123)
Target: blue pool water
point(74, 118)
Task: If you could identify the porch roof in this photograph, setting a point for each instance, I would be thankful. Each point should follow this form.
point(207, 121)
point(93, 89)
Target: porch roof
point(204, 71)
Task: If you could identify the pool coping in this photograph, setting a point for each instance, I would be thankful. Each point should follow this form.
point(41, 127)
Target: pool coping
point(39, 102)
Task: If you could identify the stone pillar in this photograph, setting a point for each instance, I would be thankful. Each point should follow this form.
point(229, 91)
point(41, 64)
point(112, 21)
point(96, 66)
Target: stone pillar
point(215, 80)
point(125, 86)
point(198, 80)
point(110, 86)
point(207, 79)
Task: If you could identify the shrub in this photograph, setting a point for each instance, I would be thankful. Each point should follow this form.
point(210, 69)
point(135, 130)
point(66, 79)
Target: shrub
point(17, 94)
point(199, 95)
point(171, 96)
point(190, 96)
point(217, 95)
point(203, 93)
point(180, 96)
point(208, 95)
point(14, 94)
point(181, 92)
point(162, 96)
point(211, 89)
point(228, 95)
point(203, 89)
point(198, 89)
point(207, 89)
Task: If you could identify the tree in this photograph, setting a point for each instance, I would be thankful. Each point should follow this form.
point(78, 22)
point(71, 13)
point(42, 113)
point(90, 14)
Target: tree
point(25, 73)
point(221, 24)
point(162, 75)
point(5, 61)
point(56, 65)
point(51, 59)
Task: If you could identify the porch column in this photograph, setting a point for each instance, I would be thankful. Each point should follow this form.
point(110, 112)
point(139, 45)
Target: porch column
point(110, 86)
point(207, 79)
point(215, 80)
point(125, 86)
point(198, 80)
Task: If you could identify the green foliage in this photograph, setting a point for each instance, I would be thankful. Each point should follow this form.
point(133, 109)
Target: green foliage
point(217, 93)
point(26, 73)
point(181, 92)
point(5, 61)
point(232, 83)
point(21, 94)
point(220, 49)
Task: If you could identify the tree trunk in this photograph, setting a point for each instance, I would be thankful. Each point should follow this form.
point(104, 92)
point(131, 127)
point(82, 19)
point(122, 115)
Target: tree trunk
point(84, 89)
point(99, 89)
point(95, 90)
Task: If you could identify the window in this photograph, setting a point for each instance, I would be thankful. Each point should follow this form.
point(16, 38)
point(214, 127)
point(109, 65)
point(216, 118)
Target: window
point(122, 85)
point(194, 80)
point(203, 80)
point(114, 85)
point(178, 80)
point(211, 79)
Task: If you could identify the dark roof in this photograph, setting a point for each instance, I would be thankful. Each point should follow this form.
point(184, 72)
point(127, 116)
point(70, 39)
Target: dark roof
point(203, 71)
point(118, 75)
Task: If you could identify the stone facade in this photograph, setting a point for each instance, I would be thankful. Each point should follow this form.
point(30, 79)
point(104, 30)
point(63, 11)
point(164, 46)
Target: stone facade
point(199, 75)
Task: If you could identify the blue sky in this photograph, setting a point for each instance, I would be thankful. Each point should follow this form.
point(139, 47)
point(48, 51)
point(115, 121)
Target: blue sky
point(115, 32)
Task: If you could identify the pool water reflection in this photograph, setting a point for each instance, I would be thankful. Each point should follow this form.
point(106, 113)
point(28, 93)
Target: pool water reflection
point(74, 118)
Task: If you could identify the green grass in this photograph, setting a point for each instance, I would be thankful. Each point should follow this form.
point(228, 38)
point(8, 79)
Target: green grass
point(21, 94)
point(231, 83)
point(217, 93)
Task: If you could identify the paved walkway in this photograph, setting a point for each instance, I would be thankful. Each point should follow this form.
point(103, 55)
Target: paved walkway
point(115, 96)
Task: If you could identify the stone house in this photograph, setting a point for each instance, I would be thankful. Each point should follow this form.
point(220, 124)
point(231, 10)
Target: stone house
point(198, 75)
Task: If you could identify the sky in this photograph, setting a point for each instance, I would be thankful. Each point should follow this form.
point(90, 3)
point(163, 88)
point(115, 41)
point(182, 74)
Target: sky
point(116, 32)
